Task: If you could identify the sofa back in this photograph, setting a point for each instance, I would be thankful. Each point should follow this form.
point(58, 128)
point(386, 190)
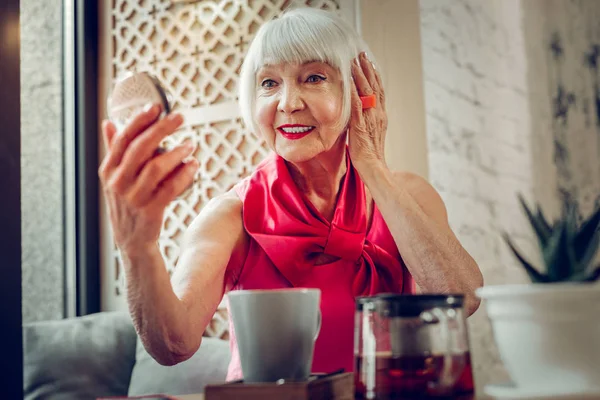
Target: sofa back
point(100, 355)
point(78, 358)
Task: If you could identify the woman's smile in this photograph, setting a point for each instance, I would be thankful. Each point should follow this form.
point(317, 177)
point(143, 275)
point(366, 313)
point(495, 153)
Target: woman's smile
point(295, 131)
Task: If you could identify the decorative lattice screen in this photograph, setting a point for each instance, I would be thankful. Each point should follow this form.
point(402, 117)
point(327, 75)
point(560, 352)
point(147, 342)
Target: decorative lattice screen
point(196, 49)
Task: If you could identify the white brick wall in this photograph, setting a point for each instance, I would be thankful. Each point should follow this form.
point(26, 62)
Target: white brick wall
point(488, 90)
point(576, 25)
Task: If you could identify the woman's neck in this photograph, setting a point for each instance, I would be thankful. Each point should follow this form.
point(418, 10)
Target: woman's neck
point(320, 178)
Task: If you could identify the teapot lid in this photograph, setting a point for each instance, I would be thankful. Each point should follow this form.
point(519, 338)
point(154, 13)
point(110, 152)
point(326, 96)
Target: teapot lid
point(361, 300)
point(405, 305)
point(402, 305)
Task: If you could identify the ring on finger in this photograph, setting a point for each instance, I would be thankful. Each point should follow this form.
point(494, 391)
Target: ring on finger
point(369, 101)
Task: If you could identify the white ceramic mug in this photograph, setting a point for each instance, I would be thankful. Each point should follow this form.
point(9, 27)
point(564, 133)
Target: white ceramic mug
point(276, 332)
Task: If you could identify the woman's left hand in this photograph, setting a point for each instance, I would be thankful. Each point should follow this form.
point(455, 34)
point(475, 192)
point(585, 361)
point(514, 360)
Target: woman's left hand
point(367, 129)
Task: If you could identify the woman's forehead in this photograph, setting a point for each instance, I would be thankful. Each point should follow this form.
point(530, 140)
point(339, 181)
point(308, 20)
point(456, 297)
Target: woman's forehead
point(288, 67)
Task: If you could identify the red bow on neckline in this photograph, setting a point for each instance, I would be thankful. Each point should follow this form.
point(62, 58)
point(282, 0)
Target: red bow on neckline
point(292, 232)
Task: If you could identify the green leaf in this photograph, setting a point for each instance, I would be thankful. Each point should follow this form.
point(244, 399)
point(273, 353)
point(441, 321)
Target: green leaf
point(556, 255)
point(570, 218)
point(587, 240)
point(533, 273)
point(588, 254)
point(587, 276)
point(545, 226)
point(539, 224)
point(593, 277)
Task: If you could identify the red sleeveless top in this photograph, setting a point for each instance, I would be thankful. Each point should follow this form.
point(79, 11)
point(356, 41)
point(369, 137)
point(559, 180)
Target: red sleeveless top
point(287, 233)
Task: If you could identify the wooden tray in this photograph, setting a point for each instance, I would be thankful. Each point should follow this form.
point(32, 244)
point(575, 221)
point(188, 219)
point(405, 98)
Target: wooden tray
point(338, 386)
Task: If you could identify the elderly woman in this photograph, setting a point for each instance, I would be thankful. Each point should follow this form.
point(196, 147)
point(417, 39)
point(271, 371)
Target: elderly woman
point(323, 210)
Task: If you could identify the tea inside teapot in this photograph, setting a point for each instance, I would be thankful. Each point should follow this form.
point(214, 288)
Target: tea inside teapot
point(411, 346)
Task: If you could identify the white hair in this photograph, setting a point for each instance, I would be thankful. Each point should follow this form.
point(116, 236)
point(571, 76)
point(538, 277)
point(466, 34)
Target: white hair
point(300, 36)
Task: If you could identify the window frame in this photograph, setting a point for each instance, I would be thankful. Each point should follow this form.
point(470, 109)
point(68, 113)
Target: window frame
point(11, 362)
point(81, 132)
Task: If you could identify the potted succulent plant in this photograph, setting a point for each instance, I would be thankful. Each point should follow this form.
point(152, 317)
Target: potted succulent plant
point(548, 331)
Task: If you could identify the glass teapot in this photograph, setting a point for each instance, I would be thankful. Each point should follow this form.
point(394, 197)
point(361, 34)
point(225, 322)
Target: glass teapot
point(411, 347)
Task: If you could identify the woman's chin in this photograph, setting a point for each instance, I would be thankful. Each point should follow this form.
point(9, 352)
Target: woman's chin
point(298, 151)
point(295, 155)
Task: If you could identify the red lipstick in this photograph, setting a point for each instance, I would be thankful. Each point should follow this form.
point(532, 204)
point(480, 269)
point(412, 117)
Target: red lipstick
point(291, 135)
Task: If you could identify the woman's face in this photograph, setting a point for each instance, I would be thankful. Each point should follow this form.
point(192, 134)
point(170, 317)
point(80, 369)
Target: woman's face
point(299, 108)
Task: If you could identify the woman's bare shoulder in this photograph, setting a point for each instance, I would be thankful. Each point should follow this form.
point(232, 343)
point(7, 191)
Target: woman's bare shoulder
point(424, 194)
point(220, 218)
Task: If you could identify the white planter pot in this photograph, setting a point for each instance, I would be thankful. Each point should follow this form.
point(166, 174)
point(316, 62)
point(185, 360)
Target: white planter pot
point(548, 336)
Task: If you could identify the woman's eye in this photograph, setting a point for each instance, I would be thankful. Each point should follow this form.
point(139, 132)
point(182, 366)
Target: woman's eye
point(268, 83)
point(315, 78)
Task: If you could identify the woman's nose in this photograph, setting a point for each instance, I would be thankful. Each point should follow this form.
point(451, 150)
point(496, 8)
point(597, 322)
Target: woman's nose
point(290, 101)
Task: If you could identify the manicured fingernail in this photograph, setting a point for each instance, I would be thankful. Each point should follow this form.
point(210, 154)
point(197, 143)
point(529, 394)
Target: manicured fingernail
point(176, 117)
point(356, 61)
point(151, 108)
point(190, 145)
point(192, 162)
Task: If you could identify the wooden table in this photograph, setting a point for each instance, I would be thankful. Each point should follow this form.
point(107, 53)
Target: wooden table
point(200, 396)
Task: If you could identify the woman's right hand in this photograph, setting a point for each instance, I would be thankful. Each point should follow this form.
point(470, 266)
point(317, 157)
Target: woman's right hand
point(138, 182)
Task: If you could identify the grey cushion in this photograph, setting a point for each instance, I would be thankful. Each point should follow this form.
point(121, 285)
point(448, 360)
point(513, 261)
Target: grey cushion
point(208, 365)
point(79, 358)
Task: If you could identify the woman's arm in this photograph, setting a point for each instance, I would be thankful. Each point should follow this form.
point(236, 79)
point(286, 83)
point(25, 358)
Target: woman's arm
point(412, 209)
point(171, 315)
point(416, 216)
point(138, 185)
